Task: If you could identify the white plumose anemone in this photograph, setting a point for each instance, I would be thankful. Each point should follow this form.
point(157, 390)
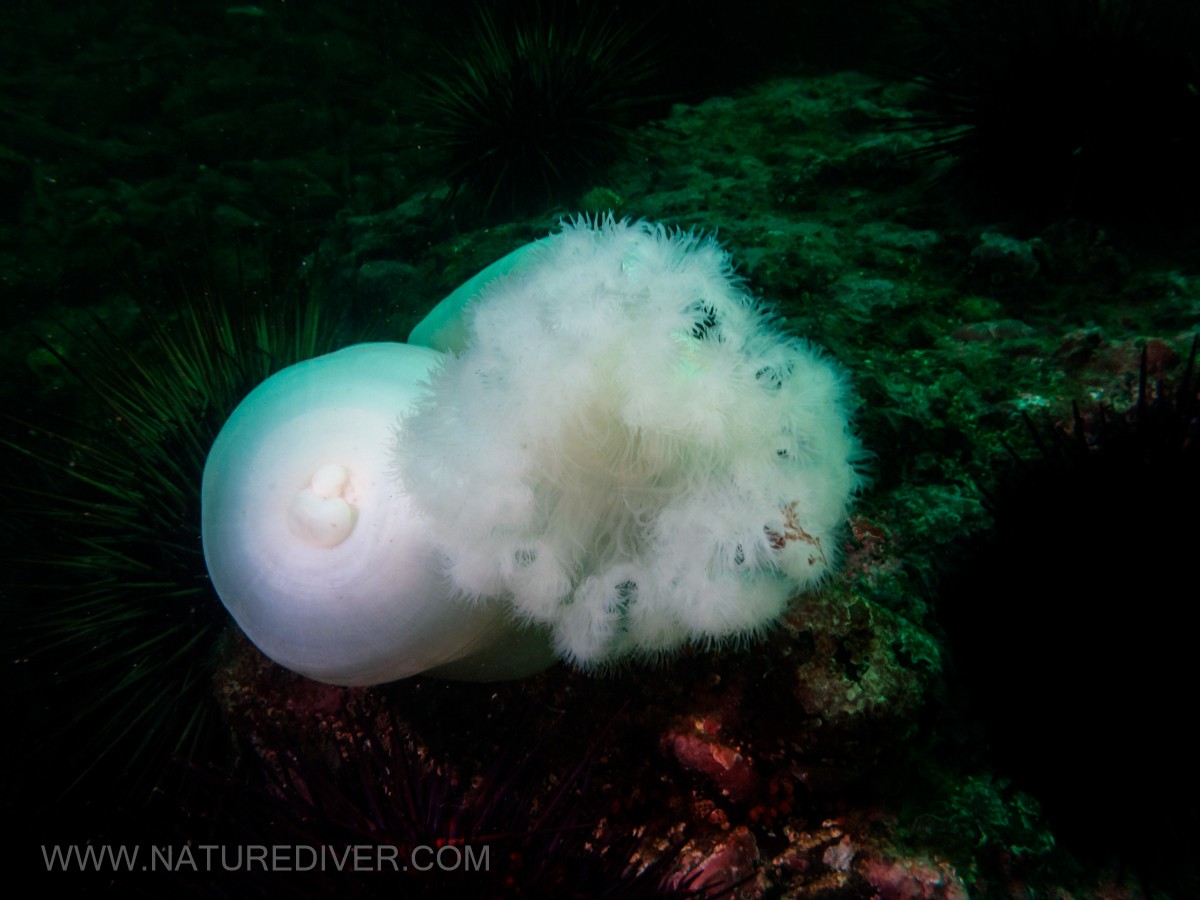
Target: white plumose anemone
point(315, 548)
point(619, 453)
point(627, 446)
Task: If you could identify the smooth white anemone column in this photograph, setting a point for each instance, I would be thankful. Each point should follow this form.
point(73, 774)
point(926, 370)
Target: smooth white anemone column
point(314, 546)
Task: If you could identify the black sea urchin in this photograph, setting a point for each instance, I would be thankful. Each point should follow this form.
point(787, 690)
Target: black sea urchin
point(536, 105)
point(1067, 107)
point(1073, 629)
point(109, 619)
point(528, 820)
